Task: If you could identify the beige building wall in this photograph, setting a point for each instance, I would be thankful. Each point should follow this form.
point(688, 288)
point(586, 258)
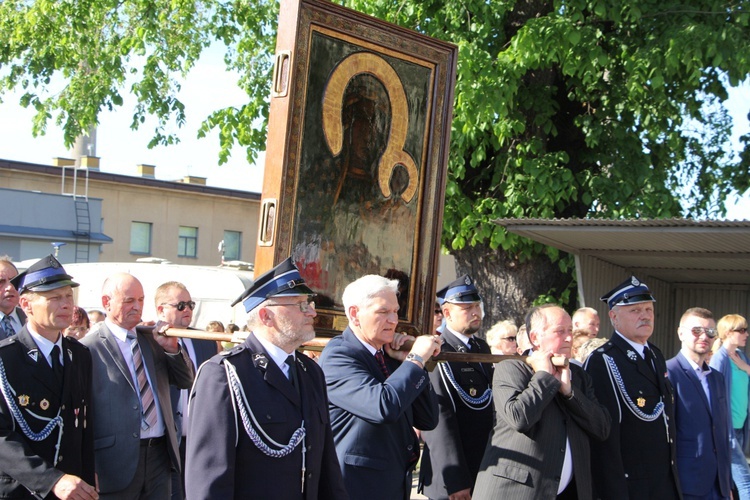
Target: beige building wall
point(166, 205)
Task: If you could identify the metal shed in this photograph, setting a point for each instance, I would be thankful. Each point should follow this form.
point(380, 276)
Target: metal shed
point(686, 263)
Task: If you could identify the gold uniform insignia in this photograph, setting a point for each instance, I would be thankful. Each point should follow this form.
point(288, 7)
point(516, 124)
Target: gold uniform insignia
point(44, 404)
point(641, 402)
point(472, 392)
point(23, 400)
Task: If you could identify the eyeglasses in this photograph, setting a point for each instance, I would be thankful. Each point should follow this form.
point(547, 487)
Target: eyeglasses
point(697, 331)
point(509, 339)
point(181, 305)
point(740, 330)
point(303, 306)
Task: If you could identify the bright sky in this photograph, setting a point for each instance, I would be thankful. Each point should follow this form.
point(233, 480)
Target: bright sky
point(208, 87)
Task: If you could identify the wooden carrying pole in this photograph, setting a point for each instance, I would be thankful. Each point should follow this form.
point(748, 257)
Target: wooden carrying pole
point(318, 343)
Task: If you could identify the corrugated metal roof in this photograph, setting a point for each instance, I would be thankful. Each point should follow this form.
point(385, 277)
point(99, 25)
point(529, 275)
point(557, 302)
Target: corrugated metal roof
point(673, 250)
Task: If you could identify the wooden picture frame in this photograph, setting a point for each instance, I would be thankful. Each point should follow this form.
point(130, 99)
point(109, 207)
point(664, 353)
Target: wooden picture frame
point(356, 158)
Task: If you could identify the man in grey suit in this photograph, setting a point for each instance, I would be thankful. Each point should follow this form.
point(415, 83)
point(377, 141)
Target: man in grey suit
point(539, 448)
point(174, 306)
point(135, 442)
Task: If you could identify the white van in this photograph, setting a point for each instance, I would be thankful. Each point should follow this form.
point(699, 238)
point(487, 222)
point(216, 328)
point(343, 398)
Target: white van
point(212, 288)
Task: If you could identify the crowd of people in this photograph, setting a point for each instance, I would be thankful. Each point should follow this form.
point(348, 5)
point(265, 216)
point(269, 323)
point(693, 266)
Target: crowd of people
point(109, 407)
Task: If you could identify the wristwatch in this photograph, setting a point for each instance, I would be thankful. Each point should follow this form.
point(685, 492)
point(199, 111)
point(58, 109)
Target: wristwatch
point(415, 357)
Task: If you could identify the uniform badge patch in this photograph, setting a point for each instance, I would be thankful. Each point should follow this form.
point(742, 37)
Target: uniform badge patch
point(632, 355)
point(44, 404)
point(23, 400)
point(472, 392)
point(641, 402)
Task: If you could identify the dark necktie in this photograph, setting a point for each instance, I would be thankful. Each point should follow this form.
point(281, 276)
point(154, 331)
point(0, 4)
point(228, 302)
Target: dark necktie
point(473, 345)
point(649, 356)
point(381, 363)
point(6, 327)
point(57, 367)
point(290, 361)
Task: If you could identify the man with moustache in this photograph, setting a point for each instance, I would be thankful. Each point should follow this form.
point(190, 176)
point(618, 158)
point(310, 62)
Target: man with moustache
point(136, 443)
point(259, 426)
point(376, 398)
point(174, 306)
point(701, 411)
point(453, 450)
point(638, 460)
point(546, 418)
point(46, 441)
point(12, 317)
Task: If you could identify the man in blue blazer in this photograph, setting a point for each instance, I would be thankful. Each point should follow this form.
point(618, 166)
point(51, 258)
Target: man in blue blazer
point(701, 411)
point(375, 399)
point(258, 419)
point(174, 306)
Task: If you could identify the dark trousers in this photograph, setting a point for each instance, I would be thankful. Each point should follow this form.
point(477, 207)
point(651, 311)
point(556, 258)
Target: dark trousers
point(152, 475)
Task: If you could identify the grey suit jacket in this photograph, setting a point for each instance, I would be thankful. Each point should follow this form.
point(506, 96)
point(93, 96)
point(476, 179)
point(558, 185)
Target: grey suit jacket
point(525, 456)
point(116, 410)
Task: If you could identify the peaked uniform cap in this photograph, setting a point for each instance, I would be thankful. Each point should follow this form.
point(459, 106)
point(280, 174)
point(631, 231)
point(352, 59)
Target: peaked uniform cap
point(283, 279)
point(460, 291)
point(44, 275)
point(631, 291)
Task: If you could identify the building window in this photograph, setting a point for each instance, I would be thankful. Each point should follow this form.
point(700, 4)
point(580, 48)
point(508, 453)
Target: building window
point(187, 246)
point(232, 245)
point(140, 238)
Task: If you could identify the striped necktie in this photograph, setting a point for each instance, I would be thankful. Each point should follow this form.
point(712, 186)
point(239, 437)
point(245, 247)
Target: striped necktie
point(7, 327)
point(148, 405)
point(381, 363)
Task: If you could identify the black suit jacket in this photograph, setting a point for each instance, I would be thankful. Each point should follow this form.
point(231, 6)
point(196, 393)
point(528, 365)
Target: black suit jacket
point(527, 450)
point(453, 450)
point(204, 350)
point(26, 469)
point(638, 460)
point(222, 460)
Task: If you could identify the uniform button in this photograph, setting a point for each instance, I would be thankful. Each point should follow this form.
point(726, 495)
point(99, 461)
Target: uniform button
point(62, 407)
point(409, 447)
point(135, 407)
point(626, 476)
point(135, 435)
point(268, 417)
point(59, 459)
point(562, 450)
point(309, 475)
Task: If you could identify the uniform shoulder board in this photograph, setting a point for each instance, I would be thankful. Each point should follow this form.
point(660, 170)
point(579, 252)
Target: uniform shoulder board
point(606, 347)
point(7, 341)
point(233, 351)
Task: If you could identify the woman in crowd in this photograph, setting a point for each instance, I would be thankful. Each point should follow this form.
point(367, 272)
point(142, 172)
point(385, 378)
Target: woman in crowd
point(80, 325)
point(731, 361)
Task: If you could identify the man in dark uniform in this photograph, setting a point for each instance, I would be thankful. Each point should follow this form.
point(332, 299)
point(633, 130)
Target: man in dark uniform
point(630, 379)
point(454, 450)
point(46, 443)
point(258, 415)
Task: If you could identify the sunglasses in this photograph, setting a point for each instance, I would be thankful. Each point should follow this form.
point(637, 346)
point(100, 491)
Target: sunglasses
point(439, 311)
point(697, 331)
point(509, 339)
point(181, 305)
point(740, 330)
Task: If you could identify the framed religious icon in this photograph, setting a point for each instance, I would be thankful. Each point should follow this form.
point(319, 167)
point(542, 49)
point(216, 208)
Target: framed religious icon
point(356, 158)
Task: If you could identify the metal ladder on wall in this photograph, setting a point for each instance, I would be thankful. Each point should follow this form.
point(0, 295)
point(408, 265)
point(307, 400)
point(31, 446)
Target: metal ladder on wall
point(83, 215)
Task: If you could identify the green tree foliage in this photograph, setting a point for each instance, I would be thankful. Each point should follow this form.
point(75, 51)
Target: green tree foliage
point(574, 108)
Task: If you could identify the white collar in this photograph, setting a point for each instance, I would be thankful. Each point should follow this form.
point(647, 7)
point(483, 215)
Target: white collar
point(277, 354)
point(635, 345)
point(119, 332)
point(45, 345)
point(463, 338)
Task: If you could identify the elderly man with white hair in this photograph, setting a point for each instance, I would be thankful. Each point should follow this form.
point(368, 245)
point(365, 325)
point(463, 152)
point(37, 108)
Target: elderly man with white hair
point(377, 398)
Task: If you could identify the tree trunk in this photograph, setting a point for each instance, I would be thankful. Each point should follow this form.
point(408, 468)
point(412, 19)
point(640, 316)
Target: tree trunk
point(508, 287)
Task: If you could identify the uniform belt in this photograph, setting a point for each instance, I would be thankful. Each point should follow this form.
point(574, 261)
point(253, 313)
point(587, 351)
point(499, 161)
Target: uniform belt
point(153, 441)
